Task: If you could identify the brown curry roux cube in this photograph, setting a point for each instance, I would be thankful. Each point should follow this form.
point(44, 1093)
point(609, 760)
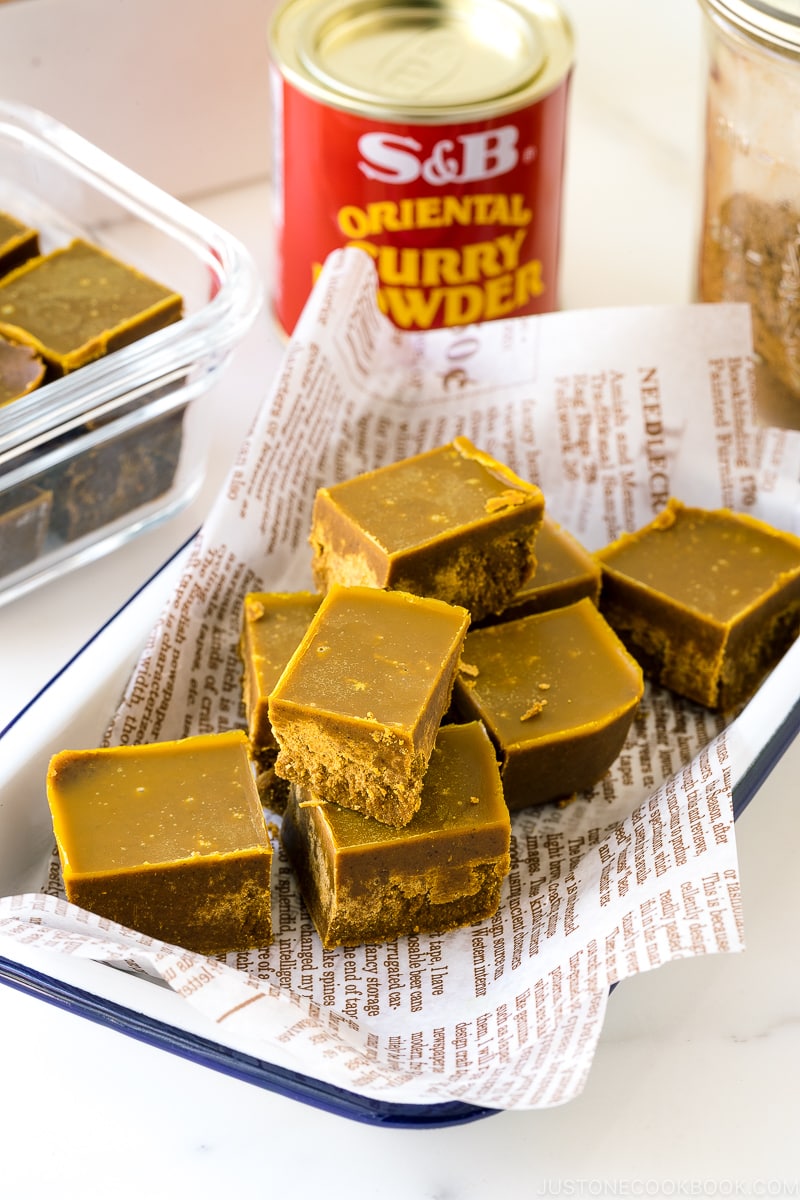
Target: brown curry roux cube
point(78, 302)
point(565, 572)
point(273, 624)
point(101, 483)
point(18, 242)
point(356, 710)
point(365, 882)
point(21, 371)
point(453, 523)
point(557, 692)
point(24, 518)
point(167, 838)
point(707, 599)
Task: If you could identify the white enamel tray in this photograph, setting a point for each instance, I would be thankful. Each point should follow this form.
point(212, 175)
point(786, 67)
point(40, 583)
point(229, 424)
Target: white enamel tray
point(73, 709)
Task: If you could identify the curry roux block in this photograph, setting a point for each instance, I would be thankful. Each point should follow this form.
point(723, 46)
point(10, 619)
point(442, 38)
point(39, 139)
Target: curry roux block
point(98, 485)
point(78, 303)
point(453, 523)
point(356, 710)
point(24, 518)
point(167, 838)
point(707, 599)
point(273, 624)
point(557, 692)
point(21, 371)
point(565, 572)
point(18, 242)
point(364, 882)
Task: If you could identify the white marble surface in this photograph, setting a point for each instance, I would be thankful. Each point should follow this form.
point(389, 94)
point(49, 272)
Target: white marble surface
point(693, 1090)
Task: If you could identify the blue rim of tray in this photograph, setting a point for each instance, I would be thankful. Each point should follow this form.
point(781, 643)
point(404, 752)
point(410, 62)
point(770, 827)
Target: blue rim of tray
point(249, 1069)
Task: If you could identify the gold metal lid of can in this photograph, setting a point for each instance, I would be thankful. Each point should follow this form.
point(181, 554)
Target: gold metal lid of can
point(423, 60)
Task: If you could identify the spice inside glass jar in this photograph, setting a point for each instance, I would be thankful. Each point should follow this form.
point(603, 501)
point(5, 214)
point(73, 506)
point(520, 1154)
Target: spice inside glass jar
point(750, 233)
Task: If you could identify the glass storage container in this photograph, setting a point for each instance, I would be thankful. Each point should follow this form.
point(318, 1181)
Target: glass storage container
point(92, 458)
point(750, 231)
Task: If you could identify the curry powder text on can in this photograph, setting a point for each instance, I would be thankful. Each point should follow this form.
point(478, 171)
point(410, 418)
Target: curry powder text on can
point(431, 133)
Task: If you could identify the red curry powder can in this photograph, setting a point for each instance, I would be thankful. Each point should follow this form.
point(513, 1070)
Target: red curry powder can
point(431, 133)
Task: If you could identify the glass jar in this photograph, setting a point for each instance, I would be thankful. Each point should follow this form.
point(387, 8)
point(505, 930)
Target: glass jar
point(750, 230)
